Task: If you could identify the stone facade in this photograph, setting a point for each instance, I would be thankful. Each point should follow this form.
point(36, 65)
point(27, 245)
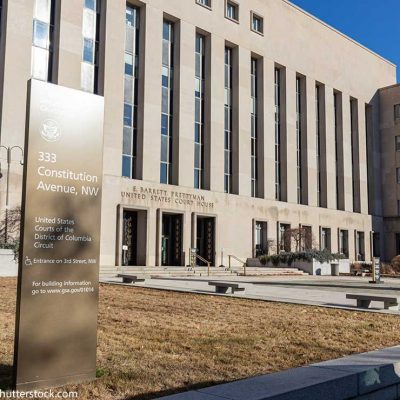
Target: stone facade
point(340, 192)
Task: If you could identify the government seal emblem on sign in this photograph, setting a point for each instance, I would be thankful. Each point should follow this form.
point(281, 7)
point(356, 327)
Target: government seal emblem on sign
point(50, 131)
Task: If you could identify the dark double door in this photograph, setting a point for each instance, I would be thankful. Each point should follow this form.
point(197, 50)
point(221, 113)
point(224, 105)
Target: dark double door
point(206, 239)
point(171, 240)
point(129, 238)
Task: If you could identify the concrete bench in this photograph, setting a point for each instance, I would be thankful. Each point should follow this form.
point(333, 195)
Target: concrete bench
point(364, 301)
point(130, 278)
point(222, 287)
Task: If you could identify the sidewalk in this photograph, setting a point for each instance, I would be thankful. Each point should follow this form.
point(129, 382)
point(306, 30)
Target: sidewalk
point(321, 291)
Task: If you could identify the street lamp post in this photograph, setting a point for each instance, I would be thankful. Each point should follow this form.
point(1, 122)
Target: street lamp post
point(9, 160)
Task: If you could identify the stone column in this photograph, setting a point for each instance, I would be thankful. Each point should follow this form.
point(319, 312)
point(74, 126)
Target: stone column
point(70, 43)
point(288, 134)
point(330, 156)
point(114, 87)
point(185, 72)
point(243, 111)
point(15, 71)
point(215, 149)
point(311, 142)
point(268, 94)
point(151, 114)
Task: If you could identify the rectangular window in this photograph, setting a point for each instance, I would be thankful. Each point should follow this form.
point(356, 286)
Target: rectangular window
point(167, 102)
point(306, 238)
point(285, 239)
point(42, 42)
point(397, 112)
point(376, 244)
point(228, 121)
point(398, 208)
point(254, 127)
point(397, 143)
point(199, 112)
point(278, 174)
point(398, 175)
point(360, 244)
point(205, 3)
point(232, 11)
point(90, 50)
point(131, 77)
point(344, 242)
point(318, 141)
point(299, 117)
point(261, 238)
point(257, 23)
point(325, 239)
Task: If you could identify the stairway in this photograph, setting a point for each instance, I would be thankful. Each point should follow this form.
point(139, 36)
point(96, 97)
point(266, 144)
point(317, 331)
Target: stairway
point(181, 272)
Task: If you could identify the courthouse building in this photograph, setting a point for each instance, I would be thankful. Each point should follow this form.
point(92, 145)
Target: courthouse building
point(227, 122)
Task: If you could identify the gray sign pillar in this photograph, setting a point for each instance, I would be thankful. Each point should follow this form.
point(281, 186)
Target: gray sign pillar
point(57, 301)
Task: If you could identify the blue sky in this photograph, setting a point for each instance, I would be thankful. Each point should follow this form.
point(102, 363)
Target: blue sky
point(373, 23)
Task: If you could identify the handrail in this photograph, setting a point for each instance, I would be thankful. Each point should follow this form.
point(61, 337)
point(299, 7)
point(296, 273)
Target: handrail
point(194, 256)
point(241, 261)
point(204, 261)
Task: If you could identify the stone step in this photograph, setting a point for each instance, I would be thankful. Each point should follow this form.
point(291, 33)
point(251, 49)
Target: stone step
point(174, 271)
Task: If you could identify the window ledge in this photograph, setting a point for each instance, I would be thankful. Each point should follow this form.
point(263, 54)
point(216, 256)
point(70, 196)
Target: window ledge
point(204, 5)
point(258, 32)
point(236, 21)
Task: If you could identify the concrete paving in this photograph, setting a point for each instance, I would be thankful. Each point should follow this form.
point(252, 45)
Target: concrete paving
point(318, 291)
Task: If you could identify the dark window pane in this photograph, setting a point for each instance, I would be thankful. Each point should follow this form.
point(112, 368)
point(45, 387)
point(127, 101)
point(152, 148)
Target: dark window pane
point(127, 142)
point(197, 129)
point(163, 173)
point(126, 166)
point(127, 115)
point(164, 148)
point(197, 179)
point(164, 124)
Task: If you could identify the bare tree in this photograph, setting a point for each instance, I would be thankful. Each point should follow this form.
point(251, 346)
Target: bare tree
point(10, 225)
point(299, 238)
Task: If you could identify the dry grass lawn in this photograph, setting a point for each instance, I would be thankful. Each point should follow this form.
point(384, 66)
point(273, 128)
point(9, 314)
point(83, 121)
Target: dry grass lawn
point(153, 343)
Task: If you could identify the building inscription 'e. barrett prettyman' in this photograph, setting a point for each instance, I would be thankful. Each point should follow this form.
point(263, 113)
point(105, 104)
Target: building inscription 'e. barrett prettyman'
point(163, 196)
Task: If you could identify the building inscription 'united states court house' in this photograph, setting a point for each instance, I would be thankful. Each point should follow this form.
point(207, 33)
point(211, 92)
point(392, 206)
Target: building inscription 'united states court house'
point(226, 123)
point(166, 197)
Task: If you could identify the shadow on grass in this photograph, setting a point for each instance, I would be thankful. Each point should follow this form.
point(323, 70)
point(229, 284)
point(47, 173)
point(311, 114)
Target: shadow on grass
point(6, 377)
point(169, 392)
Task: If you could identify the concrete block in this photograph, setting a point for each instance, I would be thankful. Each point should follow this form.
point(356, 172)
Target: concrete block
point(307, 383)
point(389, 393)
point(374, 370)
point(191, 396)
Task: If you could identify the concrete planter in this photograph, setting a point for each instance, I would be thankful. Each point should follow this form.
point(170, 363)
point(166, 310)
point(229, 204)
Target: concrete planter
point(8, 266)
point(316, 268)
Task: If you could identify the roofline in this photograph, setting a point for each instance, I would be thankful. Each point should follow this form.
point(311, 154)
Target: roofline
point(338, 32)
point(396, 85)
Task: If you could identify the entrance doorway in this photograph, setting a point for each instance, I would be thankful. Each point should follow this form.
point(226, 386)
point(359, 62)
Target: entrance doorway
point(134, 237)
point(171, 240)
point(205, 239)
